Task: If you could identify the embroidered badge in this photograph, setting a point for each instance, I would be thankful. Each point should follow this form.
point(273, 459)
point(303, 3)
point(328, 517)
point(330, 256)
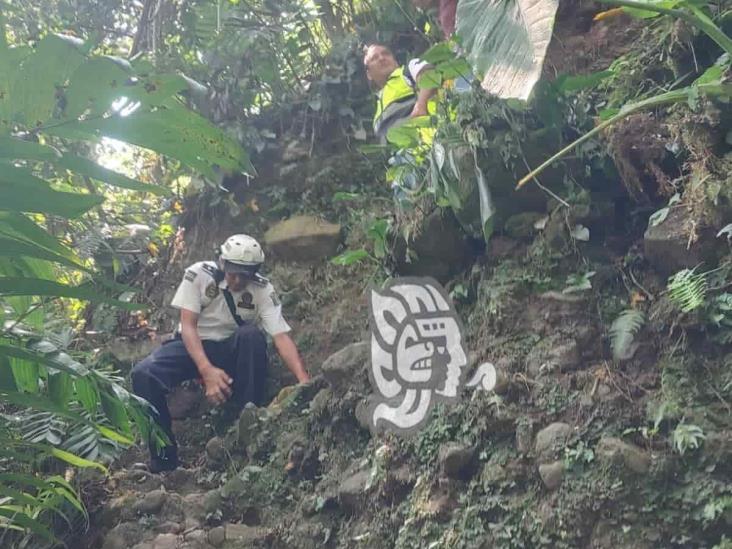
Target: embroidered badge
point(275, 300)
point(212, 290)
point(190, 276)
point(246, 301)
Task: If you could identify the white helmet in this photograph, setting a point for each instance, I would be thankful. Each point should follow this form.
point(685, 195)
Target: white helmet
point(241, 253)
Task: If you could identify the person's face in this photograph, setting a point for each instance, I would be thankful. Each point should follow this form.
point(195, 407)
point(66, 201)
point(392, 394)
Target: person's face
point(236, 281)
point(379, 63)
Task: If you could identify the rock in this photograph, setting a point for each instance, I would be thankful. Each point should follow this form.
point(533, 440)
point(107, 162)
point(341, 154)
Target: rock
point(502, 247)
point(439, 248)
point(319, 404)
point(521, 225)
point(247, 425)
point(215, 450)
point(342, 368)
point(119, 510)
point(550, 312)
point(524, 436)
point(197, 536)
point(129, 352)
point(168, 527)
point(212, 502)
point(614, 450)
point(186, 401)
point(166, 541)
point(550, 439)
point(152, 503)
point(552, 474)
point(666, 246)
point(303, 238)
point(553, 355)
point(352, 491)
point(244, 535)
point(456, 460)
point(217, 536)
point(122, 536)
point(194, 506)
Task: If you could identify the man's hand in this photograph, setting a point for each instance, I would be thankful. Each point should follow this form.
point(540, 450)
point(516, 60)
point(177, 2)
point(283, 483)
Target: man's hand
point(217, 384)
point(418, 110)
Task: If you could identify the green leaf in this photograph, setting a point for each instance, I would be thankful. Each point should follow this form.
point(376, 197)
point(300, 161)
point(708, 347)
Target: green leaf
point(30, 524)
point(645, 14)
point(20, 191)
point(10, 247)
point(115, 411)
point(95, 85)
point(506, 41)
point(19, 227)
point(75, 460)
point(60, 387)
point(350, 257)
point(87, 393)
point(439, 53)
point(623, 330)
point(26, 374)
point(572, 83)
point(173, 131)
point(19, 149)
point(89, 168)
point(14, 286)
point(33, 89)
point(429, 79)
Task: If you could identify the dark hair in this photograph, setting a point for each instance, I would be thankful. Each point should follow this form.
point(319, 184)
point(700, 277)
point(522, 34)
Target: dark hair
point(379, 44)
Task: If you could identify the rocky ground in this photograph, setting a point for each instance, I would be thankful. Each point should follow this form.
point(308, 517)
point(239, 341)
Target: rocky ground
point(578, 446)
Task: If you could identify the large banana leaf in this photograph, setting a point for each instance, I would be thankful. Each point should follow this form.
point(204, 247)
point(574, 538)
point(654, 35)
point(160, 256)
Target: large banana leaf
point(506, 42)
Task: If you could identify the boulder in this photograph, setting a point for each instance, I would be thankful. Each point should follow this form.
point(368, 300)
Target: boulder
point(666, 246)
point(303, 238)
point(194, 506)
point(342, 368)
point(550, 439)
point(438, 248)
point(552, 474)
point(614, 450)
point(352, 490)
point(456, 460)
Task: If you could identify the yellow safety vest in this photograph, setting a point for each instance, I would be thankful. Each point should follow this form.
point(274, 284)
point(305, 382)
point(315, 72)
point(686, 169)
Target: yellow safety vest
point(395, 102)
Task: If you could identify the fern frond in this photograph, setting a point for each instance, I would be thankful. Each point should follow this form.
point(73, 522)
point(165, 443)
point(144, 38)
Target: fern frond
point(623, 330)
point(687, 289)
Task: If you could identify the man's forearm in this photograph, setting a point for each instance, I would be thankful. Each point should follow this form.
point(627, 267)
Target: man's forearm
point(193, 345)
point(290, 356)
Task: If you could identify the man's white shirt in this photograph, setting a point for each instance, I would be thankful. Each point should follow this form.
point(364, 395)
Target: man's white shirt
point(200, 293)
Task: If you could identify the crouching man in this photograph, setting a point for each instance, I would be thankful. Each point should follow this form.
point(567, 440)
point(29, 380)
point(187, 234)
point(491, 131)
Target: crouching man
point(223, 305)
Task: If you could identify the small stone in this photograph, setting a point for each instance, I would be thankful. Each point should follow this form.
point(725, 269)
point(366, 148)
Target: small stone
point(553, 355)
point(212, 501)
point(614, 450)
point(552, 474)
point(215, 450)
point(352, 490)
point(320, 401)
point(551, 438)
point(217, 536)
point(198, 536)
point(456, 460)
point(194, 506)
point(524, 436)
point(152, 503)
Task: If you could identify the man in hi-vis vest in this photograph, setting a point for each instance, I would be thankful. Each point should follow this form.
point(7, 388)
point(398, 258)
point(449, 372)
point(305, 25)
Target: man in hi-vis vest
point(399, 95)
point(226, 306)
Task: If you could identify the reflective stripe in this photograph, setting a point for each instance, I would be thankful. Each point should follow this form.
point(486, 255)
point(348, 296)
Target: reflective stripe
point(393, 98)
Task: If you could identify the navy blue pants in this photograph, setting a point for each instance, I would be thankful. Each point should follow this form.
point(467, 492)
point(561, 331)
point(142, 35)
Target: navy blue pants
point(243, 356)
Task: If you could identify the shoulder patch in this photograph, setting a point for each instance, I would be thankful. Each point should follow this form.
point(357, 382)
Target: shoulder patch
point(190, 276)
point(210, 269)
point(246, 301)
point(212, 290)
